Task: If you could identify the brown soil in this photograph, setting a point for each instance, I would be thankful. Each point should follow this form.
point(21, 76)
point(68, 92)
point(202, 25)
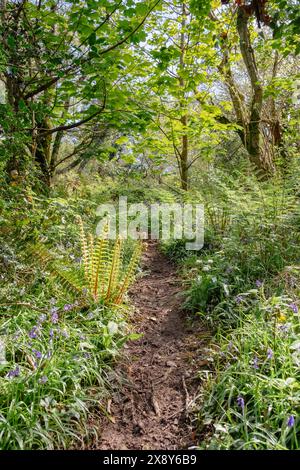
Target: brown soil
point(150, 409)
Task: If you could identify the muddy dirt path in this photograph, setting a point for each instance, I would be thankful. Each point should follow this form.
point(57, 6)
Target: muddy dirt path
point(151, 408)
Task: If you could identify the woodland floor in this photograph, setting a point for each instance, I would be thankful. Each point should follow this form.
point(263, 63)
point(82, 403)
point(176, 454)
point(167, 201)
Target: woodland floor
point(158, 372)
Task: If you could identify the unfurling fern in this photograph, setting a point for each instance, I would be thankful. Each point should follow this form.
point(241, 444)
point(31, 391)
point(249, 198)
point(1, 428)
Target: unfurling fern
point(103, 277)
point(103, 269)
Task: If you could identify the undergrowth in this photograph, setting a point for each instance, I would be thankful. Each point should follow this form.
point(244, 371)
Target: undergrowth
point(57, 344)
point(244, 285)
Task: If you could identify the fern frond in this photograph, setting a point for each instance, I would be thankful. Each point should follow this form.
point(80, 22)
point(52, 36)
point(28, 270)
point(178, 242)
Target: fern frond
point(84, 249)
point(114, 270)
point(91, 267)
point(129, 275)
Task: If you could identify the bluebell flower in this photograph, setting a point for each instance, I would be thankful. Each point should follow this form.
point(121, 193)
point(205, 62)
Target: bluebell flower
point(54, 317)
point(238, 299)
point(291, 421)
point(43, 379)
point(241, 402)
point(255, 363)
point(68, 307)
point(269, 353)
point(13, 373)
point(37, 353)
point(293, 307)
point(33, 332)
point(258, 283)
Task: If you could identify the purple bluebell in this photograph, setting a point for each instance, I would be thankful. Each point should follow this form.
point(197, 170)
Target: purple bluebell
point(284, 328)
point(51, 333)
point(269, 353)
point(255, 362)
point(37, 353)
point(258, 283)
point(291, 421)
point(238, 299)
point(293, 307)
point(54, 317)
point(33, 332)
point(13, 373)
point(241, 402)
point(68, 307)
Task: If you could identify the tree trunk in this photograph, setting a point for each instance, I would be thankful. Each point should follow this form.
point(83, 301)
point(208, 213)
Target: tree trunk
point(258, 153)
point(184, 117)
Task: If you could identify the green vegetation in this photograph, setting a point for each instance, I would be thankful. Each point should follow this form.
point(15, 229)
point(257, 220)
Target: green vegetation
point(182, 101)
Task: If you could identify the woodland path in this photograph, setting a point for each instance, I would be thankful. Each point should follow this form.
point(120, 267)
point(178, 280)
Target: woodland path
point(158, 371)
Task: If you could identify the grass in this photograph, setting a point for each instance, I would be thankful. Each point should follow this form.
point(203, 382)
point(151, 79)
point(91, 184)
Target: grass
point(56, 351)
point(245, 285)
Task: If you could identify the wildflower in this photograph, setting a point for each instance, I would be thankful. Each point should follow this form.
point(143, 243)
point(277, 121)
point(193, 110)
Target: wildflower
point(284, 328)
point(43, 379)
point(51, 333)
point(37, 353)
point(68, 307)
point(65, 333)
point(281, 317)
point(33, 332)
point(13, 373)
point(241, 402)
point(293, 307)
point(291, 421)
point(54, 317)
point(42, 318)
point(238, 299)
point(258, 283)
point(206, 268)
point(255, 363)
point(269, 353)
point(90, 316)
point(52, 301)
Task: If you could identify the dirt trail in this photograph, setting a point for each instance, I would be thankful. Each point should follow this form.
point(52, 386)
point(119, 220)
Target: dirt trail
point(150, 410)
